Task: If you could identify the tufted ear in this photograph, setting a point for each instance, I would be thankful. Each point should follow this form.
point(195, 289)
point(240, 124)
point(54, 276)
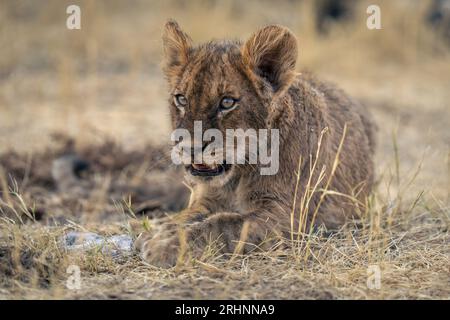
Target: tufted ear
point(272, 53)
point(177, 47)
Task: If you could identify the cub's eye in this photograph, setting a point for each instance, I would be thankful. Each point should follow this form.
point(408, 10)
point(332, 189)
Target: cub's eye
point(180, 100)
point(227, 103)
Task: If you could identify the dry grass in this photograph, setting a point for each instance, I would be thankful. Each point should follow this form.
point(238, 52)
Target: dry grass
point(103, 83)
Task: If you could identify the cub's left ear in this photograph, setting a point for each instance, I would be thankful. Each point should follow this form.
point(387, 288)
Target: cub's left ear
point(272, 53)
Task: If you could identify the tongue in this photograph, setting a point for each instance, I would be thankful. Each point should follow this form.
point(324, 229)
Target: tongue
point(204, 167)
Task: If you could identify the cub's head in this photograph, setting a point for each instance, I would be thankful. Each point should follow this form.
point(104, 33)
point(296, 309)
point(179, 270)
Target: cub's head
point(225, 85)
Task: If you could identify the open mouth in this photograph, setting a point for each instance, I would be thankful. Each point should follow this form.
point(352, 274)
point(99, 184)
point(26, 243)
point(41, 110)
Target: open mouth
point(205, 170)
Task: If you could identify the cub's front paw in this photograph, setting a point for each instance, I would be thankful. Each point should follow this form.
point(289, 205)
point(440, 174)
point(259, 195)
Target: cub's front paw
point(160, 252)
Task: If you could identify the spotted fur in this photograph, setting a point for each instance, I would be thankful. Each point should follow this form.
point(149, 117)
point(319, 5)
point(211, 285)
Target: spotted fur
point(242, 206)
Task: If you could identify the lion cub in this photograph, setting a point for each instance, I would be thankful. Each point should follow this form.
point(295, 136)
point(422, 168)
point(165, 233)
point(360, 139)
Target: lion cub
point(326, 146)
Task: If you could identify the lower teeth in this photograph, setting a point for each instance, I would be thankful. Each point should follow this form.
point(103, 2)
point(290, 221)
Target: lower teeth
point(204, 167)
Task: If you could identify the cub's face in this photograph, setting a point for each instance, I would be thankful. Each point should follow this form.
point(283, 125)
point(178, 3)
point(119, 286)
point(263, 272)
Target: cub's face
point(224, 85)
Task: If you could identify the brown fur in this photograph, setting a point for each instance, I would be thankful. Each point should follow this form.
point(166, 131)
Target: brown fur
point(242, 204)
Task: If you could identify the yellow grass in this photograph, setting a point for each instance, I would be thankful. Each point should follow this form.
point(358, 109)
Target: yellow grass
point(104, 81)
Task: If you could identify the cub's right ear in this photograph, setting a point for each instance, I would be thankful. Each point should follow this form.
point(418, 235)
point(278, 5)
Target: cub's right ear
point(272, 53)
point(177, 47)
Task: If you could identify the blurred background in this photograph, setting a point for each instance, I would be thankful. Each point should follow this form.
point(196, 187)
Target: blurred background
point(104, 81)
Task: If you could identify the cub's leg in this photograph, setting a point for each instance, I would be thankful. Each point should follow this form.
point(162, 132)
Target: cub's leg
point(225, 229)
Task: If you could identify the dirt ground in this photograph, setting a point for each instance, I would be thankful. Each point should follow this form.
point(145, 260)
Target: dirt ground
point(99, 93)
